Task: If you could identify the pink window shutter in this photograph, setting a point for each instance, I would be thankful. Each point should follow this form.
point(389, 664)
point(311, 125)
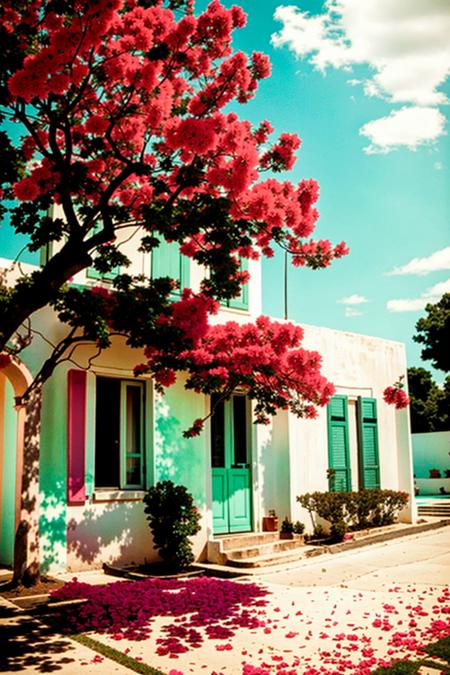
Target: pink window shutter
point(76, 439)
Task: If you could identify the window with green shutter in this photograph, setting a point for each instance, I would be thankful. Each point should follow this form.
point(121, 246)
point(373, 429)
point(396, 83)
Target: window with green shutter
point(92, 273)
point(241, 301)
point(369, 463)
point(167, 261)
point(338, 444)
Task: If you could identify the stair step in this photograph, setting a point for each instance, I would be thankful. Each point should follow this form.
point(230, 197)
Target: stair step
point(434, 509)
point(276, 558)
point(236, 541)
point(264, 549)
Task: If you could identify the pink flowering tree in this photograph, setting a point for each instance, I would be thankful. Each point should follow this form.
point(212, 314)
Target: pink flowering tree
point(265, 359)
point(115, 110)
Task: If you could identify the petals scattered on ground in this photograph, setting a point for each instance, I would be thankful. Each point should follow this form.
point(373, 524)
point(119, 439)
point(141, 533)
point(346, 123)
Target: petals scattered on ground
point(225, 627)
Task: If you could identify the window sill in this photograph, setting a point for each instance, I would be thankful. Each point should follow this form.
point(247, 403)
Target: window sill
point(118, 495)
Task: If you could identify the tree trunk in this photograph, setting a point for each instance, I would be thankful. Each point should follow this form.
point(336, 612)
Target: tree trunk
point(26, 543)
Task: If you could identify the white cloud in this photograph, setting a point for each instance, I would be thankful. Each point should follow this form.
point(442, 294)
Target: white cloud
point(350, 311)
point(409, 126)
point(439, 260)
point(403, 42)
point(354, 299)
point(438, 166)
point(438, 290)
point(413, 305)
point(431, 295)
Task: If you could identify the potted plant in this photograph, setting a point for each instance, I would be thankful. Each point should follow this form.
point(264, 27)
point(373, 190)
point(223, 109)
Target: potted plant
point(435, 473)
point(270, 522)
point(287, 529)
point(298, 528)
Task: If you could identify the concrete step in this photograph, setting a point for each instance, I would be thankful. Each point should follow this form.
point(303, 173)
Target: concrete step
point(276, 558)
point(235, 541)
point(441, 509)
point(264, 549)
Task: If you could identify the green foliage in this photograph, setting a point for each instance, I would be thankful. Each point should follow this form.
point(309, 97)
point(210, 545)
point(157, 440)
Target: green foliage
point(172, 518)
point(430, 404)
point(398, 668)
point(287, 525)
point(433, 331)
point(440, 649)
point(298, 527)
point(354, 510)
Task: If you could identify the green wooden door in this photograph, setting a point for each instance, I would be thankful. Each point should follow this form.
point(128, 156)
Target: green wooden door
point(231, 485)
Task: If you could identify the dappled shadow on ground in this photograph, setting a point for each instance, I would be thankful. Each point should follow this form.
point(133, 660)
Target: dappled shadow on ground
point(27, 644)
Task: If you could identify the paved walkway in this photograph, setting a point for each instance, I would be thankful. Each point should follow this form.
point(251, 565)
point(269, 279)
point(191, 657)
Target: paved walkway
point(334, 609)
point(419, 559)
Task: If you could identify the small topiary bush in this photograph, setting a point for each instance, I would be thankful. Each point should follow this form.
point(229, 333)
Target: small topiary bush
point(299, 527)
point(287, 526)
point(354, 510)
point(172, 518)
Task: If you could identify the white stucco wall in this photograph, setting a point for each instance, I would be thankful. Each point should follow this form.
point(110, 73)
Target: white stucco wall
point(358, 365)
point(289, 457)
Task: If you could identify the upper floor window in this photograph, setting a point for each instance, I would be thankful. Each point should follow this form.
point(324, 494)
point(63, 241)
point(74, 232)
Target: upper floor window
point(167, 261)
point(240, 301)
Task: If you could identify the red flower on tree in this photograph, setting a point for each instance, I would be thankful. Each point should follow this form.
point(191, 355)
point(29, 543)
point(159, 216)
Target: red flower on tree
point(396, 395)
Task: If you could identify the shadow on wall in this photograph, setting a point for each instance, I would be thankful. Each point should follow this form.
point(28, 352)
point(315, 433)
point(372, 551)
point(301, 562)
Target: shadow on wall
point(181, 460)
point(112, 533)
point(52, 525)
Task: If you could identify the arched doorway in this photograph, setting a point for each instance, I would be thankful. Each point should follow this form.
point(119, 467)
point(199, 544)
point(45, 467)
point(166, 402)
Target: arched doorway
point(14, 380)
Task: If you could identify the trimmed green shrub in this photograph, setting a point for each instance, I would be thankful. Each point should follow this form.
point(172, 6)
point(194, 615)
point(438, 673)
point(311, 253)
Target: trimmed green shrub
point(354, 510)
point(299, 527)
point(287, 526)
point(172, 518)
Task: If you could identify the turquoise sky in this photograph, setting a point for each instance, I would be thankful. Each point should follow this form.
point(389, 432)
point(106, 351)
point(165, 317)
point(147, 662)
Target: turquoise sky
point(391, 207)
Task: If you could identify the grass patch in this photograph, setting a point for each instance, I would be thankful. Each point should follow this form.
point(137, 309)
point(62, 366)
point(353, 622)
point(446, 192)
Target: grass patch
point(439, 650)
point(115, 655)
point(399, 668)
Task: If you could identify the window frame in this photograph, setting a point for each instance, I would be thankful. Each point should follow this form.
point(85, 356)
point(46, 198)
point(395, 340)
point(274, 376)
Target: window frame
point(144, 436)
point(242, 300)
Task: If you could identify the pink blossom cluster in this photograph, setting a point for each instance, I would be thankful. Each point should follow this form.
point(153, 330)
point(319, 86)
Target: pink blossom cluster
point(146, 90)
point(265, 358)
point(396, 396)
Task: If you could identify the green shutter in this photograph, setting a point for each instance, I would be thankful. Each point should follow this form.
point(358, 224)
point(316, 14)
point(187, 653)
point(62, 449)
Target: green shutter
point(92, 273)
point(167, 261)
point(368, 443)
point(241, 301)
point(338, 445)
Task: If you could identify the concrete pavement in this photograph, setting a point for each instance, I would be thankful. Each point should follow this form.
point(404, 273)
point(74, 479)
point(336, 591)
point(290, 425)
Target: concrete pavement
point(335, 612)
